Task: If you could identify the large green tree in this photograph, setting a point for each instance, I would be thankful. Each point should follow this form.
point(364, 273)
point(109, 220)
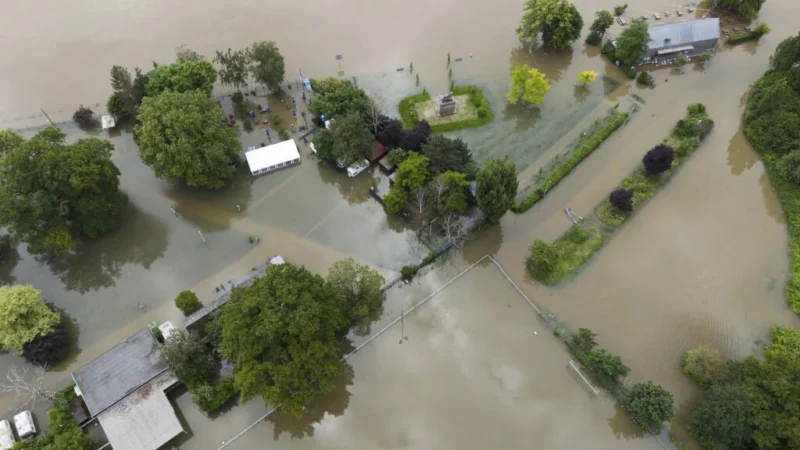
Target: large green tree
point(24, 316)
point(497, 187)
point(281, 334)
point(413, 172)
point(746, 8)
point(336, 98)
point(527, 85)
point(187, 358)
point(351, 140)
point(448, 154)
point(649, 405)
point(632, 42)
point(266, 64)
point(357, 287)
point(53, 193)
point(182, 77)
point(775, 392)
point(722, 420)
point(558, 22)
point(449, 192)
point(602, 22)
point(606, 364)
point(183, 137)
point(234, 66)
point(706, 365)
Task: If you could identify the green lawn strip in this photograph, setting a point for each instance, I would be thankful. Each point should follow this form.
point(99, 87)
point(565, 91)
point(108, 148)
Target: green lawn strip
point(573, 249)
point(643, 185)
point(476, 101)
point(569, 165)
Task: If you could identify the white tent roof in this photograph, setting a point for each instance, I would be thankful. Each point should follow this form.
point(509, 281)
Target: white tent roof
point(271, 155)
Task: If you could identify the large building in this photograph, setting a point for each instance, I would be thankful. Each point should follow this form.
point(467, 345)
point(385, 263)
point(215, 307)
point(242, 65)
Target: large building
point(687, 38)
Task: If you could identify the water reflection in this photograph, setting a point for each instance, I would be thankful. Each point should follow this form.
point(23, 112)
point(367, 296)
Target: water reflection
point(550, 62)
point(333, 403)
point(525, 116)
point(622, 426)
point(771, 203)
point(140, 239)
point(354, 190)
point(486, 241)
point(741, 155)
point(72, 329)
point(581, 92)
point(10, 257)
point(197, 205)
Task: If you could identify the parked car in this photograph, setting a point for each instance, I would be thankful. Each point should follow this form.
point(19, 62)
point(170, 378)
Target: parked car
point(313, 149)
point(25, 426)
point(357, 168)
point(6, 436)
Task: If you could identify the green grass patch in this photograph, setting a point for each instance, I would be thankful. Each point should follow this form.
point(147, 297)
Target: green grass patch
point(477, 104)
point(684, 139)
point(569, 165)
point(550, 263)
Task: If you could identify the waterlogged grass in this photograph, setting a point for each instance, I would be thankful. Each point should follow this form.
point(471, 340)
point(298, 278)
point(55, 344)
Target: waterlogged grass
point(572, 250)
point(684, 140)
point(480, 111)
point(569, 165)
point(743, 37)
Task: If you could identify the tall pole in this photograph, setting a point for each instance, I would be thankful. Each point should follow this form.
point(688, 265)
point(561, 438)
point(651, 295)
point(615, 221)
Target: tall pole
point(48, 117)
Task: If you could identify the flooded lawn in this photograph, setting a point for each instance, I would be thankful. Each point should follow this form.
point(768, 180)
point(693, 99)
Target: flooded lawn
point(464, 370)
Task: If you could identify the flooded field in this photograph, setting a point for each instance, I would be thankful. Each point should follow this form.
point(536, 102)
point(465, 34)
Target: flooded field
point(705, 262)
point(464, 370)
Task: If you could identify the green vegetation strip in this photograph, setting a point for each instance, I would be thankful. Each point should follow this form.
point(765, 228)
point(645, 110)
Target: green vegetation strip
point(743, 37)
point(550, 263)
point(569, 165)
point(476, 102)
point(684, 139)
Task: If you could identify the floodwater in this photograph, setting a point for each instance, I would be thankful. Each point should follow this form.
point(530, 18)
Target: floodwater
point(704, 262)
point(474, 367)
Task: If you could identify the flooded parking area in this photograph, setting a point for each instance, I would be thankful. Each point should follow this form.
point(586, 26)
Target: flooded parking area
point(473, 367)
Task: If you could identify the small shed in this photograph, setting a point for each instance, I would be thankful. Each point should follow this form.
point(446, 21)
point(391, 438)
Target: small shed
point(108, 122)
point(378, 152)
point(272, 157)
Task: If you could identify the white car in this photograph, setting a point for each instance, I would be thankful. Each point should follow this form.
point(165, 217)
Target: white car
point(6, 436)
point(357, 168)
point(313, 149)
point(24, 423)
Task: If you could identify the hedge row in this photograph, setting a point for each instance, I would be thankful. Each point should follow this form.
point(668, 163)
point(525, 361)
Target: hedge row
point(569, 165)
point(743, 37)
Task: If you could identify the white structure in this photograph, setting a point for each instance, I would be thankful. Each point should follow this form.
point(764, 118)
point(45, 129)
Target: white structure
point(108, 122)
point(277, 260)
point(272, 157)
point(6, 436)
point(24, 423)
point(357, 168)
point(166, 329)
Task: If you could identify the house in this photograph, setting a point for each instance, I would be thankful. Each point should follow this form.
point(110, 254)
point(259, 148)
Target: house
point(272, 157)
point(683, 38)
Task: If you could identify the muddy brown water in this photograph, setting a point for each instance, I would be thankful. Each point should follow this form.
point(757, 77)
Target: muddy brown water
point(704, 262)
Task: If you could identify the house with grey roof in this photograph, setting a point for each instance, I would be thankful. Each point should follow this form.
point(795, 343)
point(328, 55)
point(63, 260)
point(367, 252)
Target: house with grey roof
point(683, 38)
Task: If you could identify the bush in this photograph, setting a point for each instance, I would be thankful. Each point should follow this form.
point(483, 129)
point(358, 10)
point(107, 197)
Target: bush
point(762, 29)
point(609, 51)
point(121, 110)
point(569, 165)
point(605, 364)
point(620, 9)
point(543, 259)
point(687, 146)
point(237, 98)
point(429, 258)
point(408, 272)
point(705, 365)
point(187, 302)
point(745, 36)
point(594, 38)
point(550, 263)
point(84, 117)
point(622, 199)
point(645, 79)
point(659, 159)
point(631, 73)
point(584, 340)
point(247, 126)
point(649, 405)
point(211, 399)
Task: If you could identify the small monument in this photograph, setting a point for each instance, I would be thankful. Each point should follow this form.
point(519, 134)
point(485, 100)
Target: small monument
point(445, 105)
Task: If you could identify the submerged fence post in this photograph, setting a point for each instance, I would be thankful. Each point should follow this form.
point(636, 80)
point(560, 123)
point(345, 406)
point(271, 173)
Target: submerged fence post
point(201, 236)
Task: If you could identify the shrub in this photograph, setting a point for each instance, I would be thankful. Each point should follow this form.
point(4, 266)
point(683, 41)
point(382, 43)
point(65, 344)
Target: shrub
point(649, 405)
point(762, 29)
point(211, 398)
point(705, 365)
point(122, 110)
point(687, 145)
point(645, 79)
point(594, 38)
point(620, 9)
point(604, 364)
point(429, 258)
point(84, 117)
point(543, 259)
point(609, 51)
point(584, 340)
point(408, 272)
point(745, 36)
point(622, 199)
point(187, 302)
point(631, 73)
point(247, 126)
point(659, 159)
point(237, 98)
point(696, 110)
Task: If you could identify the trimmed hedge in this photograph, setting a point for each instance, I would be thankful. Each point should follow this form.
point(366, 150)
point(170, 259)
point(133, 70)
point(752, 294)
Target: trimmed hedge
point(187, 302)
point(475, 100)
point(569, 165)
point(743, 37)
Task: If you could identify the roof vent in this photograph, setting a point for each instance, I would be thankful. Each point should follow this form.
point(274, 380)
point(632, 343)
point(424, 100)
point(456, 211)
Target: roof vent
point(666, 41)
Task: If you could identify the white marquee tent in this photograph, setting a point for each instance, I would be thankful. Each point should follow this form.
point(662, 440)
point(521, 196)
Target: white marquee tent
point(272, 157)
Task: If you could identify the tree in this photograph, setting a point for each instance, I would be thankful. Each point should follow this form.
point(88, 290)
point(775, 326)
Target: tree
point(397, 155)
point(121, 104)
point(543, 260)
point(53, 192)
point(23, 316)
point(620, 9)
point(558, 21)
point(412, 173)
point(267, 65)
point(281, 334)
point(182, 77)
point(681, 61)
point(351, 140)
point(761, 29)
point(420, 206)
point(183, 137)
point(395, 200)
point(357, 287)
point(705, 365)
point(649, 405)
point(622, 199)
point(658, 159)
point(447, 154)
point(337, 98)
point(187, 358)
point(48, 349)
point(786, 54)
point(413, 140)
point(584, 340)
point(605, 364)
point(234, 66)
point(392, 135)
point(31, 387)
point(187, 302)
point(774, 388)
point(602, 22)
point(722, 420)
point(84, 117)
point(587, 77)
point(449, 192)
point(496, 188)
point(745, 8)
point(705, 57)
point(374, 117)
point(632, 42)
point(184, 54)
point(528, 85)
point(594, 38)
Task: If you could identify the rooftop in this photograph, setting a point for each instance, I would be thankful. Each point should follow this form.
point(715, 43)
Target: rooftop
point(118, 372)
point(683, 33)
point(272, 155)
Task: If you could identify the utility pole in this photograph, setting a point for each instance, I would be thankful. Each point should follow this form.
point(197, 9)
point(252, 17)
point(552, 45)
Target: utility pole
point(48, 117)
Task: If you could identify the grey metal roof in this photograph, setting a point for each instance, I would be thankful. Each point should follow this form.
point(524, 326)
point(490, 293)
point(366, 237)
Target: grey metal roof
point(683, 33)
point(118, 372)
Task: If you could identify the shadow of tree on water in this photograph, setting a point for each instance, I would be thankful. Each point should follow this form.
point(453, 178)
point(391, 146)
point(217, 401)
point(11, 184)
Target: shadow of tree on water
point(525, 116)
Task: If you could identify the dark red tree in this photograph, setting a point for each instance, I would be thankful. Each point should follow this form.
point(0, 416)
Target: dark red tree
point(659, 159)
point(622, 199)
point(392, 135)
